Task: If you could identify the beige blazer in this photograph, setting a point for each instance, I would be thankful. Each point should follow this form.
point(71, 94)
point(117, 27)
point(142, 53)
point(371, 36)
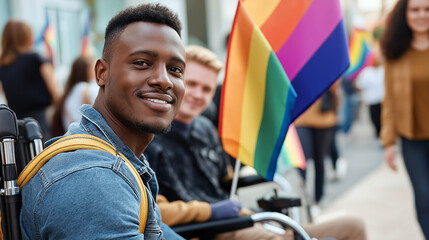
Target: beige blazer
point(396, 111)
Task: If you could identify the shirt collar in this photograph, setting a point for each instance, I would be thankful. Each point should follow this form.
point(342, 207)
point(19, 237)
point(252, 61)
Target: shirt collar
point(93, 123)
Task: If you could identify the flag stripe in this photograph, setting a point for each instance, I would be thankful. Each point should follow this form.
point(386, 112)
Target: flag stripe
point(293, 144)
point(314, 76)
point(254, 95)
point(280, 25)
point(230, 118)
point(260, 15)
point(316, 25)
point(280, 140)
point(357, 46)
point(291, 154)
point(279, 101)
point(275, 99)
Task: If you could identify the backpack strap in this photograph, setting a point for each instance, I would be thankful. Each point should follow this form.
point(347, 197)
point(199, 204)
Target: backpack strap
point(83, 141)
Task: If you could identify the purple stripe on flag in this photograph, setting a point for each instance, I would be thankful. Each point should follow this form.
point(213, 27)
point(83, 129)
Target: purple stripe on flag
point(323, 68)
point(314, 28)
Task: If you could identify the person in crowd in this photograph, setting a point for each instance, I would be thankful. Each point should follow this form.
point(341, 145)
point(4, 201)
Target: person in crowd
point(191, 164)
point(91, 194)
point(405, 112)
point(370, 83)
point(315, 128)
point(339, 164)
point(350, 105)
point(79, 89)
point(27, 79)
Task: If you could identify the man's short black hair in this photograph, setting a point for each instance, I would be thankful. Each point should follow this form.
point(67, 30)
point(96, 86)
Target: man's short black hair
point(154, 13)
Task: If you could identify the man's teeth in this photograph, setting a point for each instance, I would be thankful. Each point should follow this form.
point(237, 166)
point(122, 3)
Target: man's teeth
point(156, 100)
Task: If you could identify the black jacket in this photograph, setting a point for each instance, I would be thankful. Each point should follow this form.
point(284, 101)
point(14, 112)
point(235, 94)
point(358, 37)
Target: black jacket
point(189, 164)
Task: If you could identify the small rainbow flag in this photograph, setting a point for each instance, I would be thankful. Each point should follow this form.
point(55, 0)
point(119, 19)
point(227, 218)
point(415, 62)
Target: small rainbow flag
point(86, 43)
point(47, 36)
point(360, 53)
point(292, 154)
point(257, 98)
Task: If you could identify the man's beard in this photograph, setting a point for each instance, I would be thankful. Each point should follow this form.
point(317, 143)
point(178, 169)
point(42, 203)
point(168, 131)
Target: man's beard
point(149, 129)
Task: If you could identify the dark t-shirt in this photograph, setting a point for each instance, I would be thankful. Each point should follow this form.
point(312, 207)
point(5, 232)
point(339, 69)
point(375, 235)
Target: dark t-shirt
point(23, 84)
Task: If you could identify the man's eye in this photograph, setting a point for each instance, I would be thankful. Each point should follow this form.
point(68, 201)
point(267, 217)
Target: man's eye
point(176, 69)
point(140, 63)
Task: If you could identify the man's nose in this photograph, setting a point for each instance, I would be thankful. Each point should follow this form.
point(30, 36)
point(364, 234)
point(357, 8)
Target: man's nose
point(161, 79)
point(197, 93)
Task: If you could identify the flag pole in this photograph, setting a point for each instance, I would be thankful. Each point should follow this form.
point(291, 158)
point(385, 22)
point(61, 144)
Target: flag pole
point(235, 179)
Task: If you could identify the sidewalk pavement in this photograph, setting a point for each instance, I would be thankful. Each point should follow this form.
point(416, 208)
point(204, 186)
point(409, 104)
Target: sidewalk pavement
point(384, 201)
point(381, 197)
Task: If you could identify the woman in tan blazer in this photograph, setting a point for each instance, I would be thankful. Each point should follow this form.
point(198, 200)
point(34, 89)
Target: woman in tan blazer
point(405, 108)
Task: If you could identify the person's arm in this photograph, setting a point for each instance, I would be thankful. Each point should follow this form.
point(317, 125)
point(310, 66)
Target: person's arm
point(47, 72)
point(180, 212)
point(335, 97)
point(388, 133)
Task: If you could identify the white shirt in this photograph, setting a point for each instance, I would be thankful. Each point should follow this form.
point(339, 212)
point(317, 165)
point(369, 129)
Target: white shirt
point(73, 102)
point(371, 81)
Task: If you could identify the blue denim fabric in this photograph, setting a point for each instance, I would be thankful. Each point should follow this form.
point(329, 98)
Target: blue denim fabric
point(90, 194)
point(349, 111)
point(416, 155)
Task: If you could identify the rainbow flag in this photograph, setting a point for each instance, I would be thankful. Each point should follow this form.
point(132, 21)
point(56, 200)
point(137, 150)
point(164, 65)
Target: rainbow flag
point(309, 39)
point(47, 37)
point(291, 155)
point(257, 98)
point(86, 43)
point(360, 53)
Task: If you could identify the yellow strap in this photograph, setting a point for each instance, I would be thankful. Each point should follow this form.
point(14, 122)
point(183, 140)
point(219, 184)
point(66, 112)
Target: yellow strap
point(83, 141)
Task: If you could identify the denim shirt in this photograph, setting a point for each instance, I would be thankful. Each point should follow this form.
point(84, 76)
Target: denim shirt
point(90, 194)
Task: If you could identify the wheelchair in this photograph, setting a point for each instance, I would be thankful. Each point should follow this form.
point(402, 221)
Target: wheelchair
point(21, 141)
point(275, 212)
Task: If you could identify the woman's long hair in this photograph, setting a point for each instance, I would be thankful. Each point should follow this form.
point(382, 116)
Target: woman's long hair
point(78, 73)
point(16, 38)
point(396, 39)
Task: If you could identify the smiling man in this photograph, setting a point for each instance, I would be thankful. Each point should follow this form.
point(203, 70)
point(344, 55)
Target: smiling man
point(90, 194)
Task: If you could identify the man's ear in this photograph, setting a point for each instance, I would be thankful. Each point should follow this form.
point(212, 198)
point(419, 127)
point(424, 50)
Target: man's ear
point(101, 72)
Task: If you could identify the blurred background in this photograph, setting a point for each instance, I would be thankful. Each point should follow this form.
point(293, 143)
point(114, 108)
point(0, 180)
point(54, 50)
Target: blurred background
point(71, 27)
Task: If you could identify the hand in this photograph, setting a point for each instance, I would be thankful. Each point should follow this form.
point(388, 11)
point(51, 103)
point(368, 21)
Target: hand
point(225, 209)
point(246, 212)
point(389, 156)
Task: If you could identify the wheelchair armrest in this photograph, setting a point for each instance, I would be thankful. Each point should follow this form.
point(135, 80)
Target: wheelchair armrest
point(225, 225)
point(212, 228)
point(277, 204)
point(245, 181)
point(32, 129)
